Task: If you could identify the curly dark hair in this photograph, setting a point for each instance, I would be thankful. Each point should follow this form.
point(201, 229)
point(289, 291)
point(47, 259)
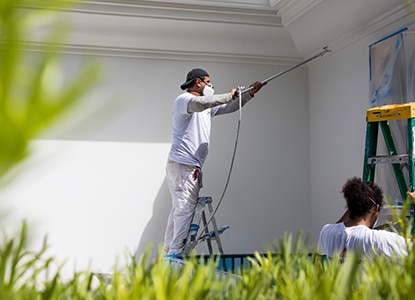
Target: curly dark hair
point(361, 196)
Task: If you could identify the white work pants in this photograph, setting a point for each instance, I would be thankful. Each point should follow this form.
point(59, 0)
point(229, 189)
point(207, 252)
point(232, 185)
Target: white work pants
point(184, 190)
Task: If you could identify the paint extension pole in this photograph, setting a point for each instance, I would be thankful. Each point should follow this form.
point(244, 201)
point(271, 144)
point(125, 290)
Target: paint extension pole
point(325, 50)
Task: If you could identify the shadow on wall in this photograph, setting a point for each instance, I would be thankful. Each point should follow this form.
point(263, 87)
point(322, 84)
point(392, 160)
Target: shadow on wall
point(153, 233)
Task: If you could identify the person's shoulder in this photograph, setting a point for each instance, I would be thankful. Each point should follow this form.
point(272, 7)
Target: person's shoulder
point(334, 226)
point(183, 99)
point(340, 225)
point(389, 243)
point(185, 96)
point(385, 233)
point(384, 236)
point(363, 230)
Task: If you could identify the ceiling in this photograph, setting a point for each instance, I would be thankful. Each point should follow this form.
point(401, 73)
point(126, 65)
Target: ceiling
point(266, 31)
point(310, 23)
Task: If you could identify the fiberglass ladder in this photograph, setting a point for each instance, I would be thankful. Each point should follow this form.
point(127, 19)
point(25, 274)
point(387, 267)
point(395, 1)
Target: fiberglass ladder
point(379, 117)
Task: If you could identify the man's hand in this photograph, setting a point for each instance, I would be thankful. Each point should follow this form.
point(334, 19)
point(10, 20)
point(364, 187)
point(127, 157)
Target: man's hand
point(256, 86)
point(234, 93)
point(411, 195)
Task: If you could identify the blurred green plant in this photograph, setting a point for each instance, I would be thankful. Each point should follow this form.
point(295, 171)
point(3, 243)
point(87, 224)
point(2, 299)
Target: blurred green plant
point(34, 93)
point(410, 6)
point(292, 273)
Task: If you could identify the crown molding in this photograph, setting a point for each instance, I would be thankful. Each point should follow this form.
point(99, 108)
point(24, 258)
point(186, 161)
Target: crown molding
point(177, 31)
point(126, 30)
point(213, 13)
point(291, 10)
point(219, 4)
point(157, 54)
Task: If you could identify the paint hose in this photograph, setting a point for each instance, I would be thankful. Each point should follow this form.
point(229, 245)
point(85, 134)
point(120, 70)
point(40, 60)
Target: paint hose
point(240, 91)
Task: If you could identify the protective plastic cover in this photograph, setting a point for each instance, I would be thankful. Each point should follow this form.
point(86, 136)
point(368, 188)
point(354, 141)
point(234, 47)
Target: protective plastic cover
point(392, 81)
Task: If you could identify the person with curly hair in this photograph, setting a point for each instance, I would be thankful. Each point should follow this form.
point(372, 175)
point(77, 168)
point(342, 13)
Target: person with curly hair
point(354, 230)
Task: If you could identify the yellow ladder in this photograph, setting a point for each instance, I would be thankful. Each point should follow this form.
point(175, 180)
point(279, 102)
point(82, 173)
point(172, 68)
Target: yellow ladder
point(380, 117)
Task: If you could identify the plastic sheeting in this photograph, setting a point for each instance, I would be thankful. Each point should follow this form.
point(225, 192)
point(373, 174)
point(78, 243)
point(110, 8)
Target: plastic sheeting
point(392, 75)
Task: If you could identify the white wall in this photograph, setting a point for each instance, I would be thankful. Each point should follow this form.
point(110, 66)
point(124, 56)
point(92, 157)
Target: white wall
point(89, 198)
point(339, 98)
point(102, 193)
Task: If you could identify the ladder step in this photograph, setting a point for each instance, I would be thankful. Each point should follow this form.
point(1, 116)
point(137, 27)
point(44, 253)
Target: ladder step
point(388, 159)
point(212, 234)
point(204, 200)
point(391, 112)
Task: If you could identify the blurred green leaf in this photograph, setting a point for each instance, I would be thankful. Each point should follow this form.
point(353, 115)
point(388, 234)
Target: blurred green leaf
point(34, 91)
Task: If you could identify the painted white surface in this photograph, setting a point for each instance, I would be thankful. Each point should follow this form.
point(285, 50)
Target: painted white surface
point(91, 199)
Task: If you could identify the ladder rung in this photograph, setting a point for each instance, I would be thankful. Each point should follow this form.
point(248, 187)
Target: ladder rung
point(212, 234)
point(388, 159)
point(204, 199)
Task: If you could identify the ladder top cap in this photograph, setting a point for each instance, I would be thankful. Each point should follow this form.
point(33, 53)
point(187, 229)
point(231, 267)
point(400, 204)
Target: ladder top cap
point(391, 112)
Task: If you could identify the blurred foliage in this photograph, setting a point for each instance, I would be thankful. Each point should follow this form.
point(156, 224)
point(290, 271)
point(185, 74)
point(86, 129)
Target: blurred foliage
point(290, 273)
point(34, 92)
point(410, 6)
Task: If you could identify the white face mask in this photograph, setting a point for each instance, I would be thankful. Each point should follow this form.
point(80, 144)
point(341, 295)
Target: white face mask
point(208, 90)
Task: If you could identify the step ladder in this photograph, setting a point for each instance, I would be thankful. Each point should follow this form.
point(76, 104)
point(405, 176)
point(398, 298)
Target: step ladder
point(200, 221)
point(379, 117)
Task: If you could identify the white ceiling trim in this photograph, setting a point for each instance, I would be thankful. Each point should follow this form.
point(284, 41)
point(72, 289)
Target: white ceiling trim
point(157, 54)
point(186, 12)
point(153, 32)
point(148, 29)
point(291, 10)
point(234, 4)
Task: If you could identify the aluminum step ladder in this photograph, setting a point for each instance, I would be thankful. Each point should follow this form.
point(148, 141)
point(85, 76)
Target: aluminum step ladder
point(380, 117)
point(200, 221)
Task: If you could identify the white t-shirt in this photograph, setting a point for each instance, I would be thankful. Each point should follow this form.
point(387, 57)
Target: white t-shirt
point(191, 132)
point(337, 238)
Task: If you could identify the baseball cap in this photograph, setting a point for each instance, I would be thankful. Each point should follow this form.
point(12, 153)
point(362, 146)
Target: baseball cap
point(192, 75)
